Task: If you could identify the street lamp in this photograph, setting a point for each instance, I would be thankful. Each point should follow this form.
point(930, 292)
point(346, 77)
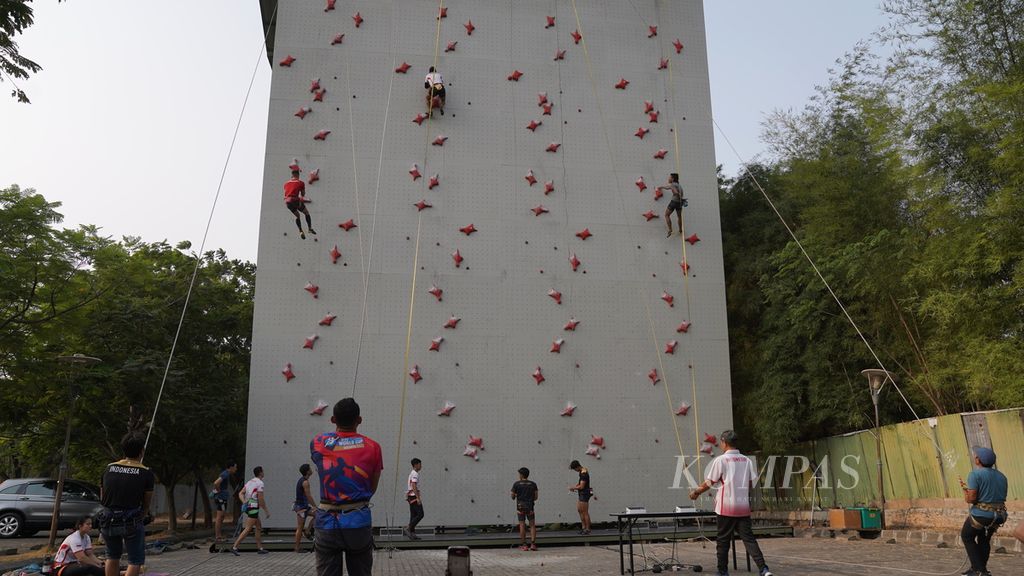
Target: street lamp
point(876, 379)
point(75, 361)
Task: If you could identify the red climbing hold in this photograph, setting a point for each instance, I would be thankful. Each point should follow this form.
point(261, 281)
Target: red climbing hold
point(641, 132)
point(652, 31)
point(415, 374)
point(319, 410)
point(569, 409)
point(684, 266)
point(648, 107)
point(419, 119)
point(597, 441)
point(469, 27)
point(539, 209)
point(710, 438)
point(652, 116)
point(553, 147)
point(653, 376)
point(313, 289)
point(335, 254)
point(403, 68)
point(330, 5)
point(451, 46)
point(476, 442)
point(660, 154)
point(551, 21)
point(658, 194)
point(576, 36)
point(435, 344)
point(294, 165)
point(452, 322)
point(532, 126)
point(574, 262)
point(515, 76)
point(311, 341)
point(301, 113)
point(358, 19)
point(289, 375)
point(446, 410)
point(422, 205)
point(467, 230)
point(314, 176)
point(348, 225)
point(538, 376)
point(663, 64)
point(415, 172)
point(683, 409)
point(434, 182)
point(650, 215)
point(670, 346)
point(559, 55)
point(318, 96)
point(314, 85)
point(584, 234)
point(287, 61)
point(338, 39)
point(683, 327)
point(547, 109)
point(669, 299)
point(571, 325)
point(542, 98)
point(321, 135)
point(440, 140)
point(692, 239)
point(594, 451)
point(556, 346)
point(327, 320)
point(621, 84)
point(435, 292)
point(531, 178)
point(678, 45)
point(471, 452)
point(640, 184)
point(443, 13)
point(555, 295)
point(707, 448)
point(457, 257)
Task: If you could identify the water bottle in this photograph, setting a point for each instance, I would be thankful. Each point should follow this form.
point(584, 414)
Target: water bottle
point(48, 564)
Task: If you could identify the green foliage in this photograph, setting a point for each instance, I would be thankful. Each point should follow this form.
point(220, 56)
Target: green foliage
point(15, 17)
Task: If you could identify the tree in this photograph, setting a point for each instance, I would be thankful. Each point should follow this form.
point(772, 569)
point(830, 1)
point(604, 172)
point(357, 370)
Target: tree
point(15, 17)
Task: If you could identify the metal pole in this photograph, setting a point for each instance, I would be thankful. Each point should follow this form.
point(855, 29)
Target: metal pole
point(878, 448)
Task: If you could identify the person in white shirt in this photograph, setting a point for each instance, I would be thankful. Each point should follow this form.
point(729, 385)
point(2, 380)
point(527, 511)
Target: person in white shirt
point(252, 502)
point(75, 556)
point(412, 495)
point(734, 473)
point(434, 84)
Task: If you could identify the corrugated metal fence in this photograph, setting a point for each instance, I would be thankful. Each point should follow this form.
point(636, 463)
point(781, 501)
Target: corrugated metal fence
point(921, 459)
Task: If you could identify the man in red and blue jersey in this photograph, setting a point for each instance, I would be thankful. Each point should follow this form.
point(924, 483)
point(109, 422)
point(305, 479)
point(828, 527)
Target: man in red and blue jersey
point(349, 466)
point(295, 202)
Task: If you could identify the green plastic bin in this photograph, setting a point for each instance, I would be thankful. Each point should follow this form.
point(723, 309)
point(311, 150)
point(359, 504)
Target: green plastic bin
point(870, 518)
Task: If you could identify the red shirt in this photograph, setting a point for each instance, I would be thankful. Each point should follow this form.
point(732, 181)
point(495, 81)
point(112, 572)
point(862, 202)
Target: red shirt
point(293, 189)
point(347, 463)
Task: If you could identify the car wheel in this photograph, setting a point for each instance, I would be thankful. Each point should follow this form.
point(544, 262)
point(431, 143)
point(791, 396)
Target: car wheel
point(10, 524)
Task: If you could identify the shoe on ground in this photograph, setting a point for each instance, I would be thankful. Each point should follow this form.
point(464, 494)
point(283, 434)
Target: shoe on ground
point(263, 551)
point(585, 532)
point(235, 552)
point(766, 572)
point(442, 111)
point(302, 235)
point(533, 547)
point(524, 547)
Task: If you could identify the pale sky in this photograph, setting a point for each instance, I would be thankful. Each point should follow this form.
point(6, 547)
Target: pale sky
point(133, 113)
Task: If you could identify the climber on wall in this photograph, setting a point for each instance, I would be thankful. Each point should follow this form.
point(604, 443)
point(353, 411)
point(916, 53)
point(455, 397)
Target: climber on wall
point(434, 84)
point(295, 201)
point(676, 204)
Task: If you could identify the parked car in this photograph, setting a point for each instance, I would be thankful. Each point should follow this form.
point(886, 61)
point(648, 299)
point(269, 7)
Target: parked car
point(26, 504)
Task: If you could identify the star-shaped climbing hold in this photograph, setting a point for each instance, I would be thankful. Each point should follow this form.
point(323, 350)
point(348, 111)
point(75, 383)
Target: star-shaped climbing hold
point(314, 85)
point(538, 375)
point(469, 27)
point(597, 441)
point(663, 64)
point(593, 451)
point(551, 21)
point(547, 109)
point(348, 225)
point(539, 209)
point(314, 176)
point(476, 442)
point(650, 215)
point(652, 31)
point(311, 341)
point(422, 205)
point(576, 36)
point(457, 257)
point(415, 172)
point(684, 266)
point(415, 374)
point(641, 184)
point(707, 448)
point(435, 181)
point(532, 126)
point(335, 254)
point(683, 409)
point(668, 298)
point(440, 140)
point(515, 76)
point(553, 147)
point(403, 68)
point(660, 154)
point(710, 438)
point(313, 289)
point(327, 320)
point(569, 409)
point(330, 5)
point(419, 119)
point(542, 98)
point(435, 292)
point(338, 39)
point(294, 165)
point(467, 230)
point(451, 46)
point(435, 344)
point(648, 106)
point(358, 19)
point(692, 239)
point(287, 61)
point(471, 452)
point(683, 327)
point(318, 96)
point(321, 135)
point(571, 325)
point(658, 194)
point(574, 262)
point(641, 132)
point(549, 187)
point(652, 116)
point(446, 410)
point(452, 322)
point(555, 295)
point(678, 45)
point(559, 55)
point(531, 178)
point(556, 346)
point(670, 346)
point(584, 234)
point(653, 376)
point(319, 410)
point(289, 374)
point(621, 84)
point(443, 13)
point(301, 113)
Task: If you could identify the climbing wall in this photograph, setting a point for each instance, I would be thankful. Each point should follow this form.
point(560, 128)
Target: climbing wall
point(494, 286)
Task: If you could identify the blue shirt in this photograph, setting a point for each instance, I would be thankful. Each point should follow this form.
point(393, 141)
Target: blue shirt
point(223, 490)
point(347, 463)
point(991, 486)
point(300, 494)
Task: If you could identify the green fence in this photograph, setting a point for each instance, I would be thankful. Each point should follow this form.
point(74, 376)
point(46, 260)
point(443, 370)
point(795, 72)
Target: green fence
point(920, 459)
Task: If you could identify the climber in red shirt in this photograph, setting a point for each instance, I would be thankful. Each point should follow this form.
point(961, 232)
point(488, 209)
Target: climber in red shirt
point(295, 200)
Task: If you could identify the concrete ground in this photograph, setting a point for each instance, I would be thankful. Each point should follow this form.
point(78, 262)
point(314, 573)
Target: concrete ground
point(786, 557)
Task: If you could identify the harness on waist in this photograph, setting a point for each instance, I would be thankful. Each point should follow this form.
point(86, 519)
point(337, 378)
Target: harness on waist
point(343, 507)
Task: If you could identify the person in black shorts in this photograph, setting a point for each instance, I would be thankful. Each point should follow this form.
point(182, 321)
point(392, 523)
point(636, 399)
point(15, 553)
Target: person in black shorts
point(583, 490)
point(126, 492)
point(434, 84)
point(676, 204)
point(295, 202)
point(526, 493)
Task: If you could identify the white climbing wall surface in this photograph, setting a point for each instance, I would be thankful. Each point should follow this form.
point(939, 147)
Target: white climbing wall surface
point(510, 242)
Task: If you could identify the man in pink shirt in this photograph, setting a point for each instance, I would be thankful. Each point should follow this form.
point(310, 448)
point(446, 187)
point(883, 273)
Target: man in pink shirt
point(734, 473)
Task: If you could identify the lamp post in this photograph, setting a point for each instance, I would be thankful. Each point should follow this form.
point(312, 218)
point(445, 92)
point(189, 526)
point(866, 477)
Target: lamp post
point(876, 379)
point(74, 361)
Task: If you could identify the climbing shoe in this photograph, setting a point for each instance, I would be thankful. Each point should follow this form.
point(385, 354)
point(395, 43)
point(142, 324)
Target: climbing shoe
point(235, 552)
point(302, 235)
point(313, 232)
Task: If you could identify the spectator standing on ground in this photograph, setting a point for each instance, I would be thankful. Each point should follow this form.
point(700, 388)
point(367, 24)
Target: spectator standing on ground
point(253, 501)
point(126, 492)
point(303, 507)
point(412, 495)
point(221, 498)
point(75, 556)
point(349, 465)
point(583, 490)
point(985, 491)
point(526, 494)
point(734, 473)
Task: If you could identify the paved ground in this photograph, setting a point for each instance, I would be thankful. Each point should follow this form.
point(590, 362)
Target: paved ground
point(786, 556)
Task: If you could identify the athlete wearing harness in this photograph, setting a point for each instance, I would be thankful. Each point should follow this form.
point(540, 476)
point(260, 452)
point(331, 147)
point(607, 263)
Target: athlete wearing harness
point(434, 85)
point(676, 204)
point(295, 202)
point(985, 490)
point(585, 492)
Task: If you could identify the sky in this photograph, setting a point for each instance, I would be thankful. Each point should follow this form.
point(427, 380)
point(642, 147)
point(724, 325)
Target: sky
point(133, 113)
